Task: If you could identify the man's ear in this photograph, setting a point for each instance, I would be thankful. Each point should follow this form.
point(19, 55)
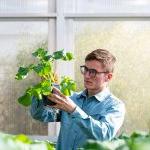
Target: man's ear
point(109, 76)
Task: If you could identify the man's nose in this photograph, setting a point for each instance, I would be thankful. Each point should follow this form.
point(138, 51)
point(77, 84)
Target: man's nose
point(87, 74)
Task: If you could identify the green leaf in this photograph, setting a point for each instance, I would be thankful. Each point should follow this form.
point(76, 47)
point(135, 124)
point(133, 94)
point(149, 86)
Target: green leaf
point(37, 91)
point(22, 73)
point(46, 90)
point(23, 142)
point(31, 67)
point(29, 91)
point(65, 91)
point(73, 86)
point(95, 145)
point(124, 136)
point(47, 68)
point(68, 56)
point(43, 69)
point(67, 85)
point(39, 69)
point(23, 138)
point(58, 54)
point(47, 58)
point(46, 87)
point(46, 83)
point(138, 134)
point(25, 100)
point(40, 53)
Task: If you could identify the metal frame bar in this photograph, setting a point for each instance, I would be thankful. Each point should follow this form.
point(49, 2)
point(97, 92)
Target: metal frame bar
point(106, 15)
point(62, 16)
point(28, 15)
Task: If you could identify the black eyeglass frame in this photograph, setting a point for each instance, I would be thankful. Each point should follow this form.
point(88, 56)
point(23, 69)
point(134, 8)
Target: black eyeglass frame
point(92, 72)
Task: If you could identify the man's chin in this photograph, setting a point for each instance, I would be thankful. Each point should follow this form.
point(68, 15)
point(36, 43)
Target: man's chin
point(88, 86)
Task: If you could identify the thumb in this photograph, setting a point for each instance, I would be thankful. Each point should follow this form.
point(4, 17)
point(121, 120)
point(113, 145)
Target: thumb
point(58, 92)
point(55, 90)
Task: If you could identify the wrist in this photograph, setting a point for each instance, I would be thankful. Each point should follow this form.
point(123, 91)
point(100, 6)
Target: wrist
point(72, 109)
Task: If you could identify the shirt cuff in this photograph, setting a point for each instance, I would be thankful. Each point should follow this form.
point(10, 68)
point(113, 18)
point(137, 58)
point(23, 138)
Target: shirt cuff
point(79, 113)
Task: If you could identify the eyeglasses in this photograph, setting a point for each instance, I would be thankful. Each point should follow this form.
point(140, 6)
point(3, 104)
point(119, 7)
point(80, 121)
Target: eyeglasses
point(92, 72)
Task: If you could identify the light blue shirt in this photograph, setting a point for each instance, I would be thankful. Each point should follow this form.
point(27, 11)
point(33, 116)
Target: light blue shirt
point(98, 117)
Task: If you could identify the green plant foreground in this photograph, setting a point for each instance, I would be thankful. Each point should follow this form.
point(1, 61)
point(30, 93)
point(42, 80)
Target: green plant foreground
point(137, 141)
point(45, 70)
point(22, 142)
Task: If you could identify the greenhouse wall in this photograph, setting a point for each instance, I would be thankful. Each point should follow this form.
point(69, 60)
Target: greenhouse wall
point(120, 26)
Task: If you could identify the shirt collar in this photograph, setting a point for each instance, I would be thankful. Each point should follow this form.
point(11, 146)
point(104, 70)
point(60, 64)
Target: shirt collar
point(102, 95)
point(99, 96)
point(83, 94)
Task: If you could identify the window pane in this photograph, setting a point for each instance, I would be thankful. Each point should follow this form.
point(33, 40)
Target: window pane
point(18, 40)
point(98, 6)
point(129, 41)
point(23, 6)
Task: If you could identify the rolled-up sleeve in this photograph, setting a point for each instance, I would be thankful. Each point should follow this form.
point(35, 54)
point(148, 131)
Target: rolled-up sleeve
point(42, 113)
point(103, 129)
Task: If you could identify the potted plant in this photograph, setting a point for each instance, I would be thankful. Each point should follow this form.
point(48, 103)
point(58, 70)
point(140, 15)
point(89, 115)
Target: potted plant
point(44, 68)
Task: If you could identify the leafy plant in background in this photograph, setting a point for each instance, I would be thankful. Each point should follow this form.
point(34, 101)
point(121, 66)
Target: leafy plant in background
point(45, 70)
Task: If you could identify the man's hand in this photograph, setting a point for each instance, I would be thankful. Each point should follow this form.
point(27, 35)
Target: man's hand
point(62, 102)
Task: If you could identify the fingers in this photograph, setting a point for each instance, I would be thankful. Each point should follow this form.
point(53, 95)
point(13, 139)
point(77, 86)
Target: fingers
point(55, 98)
point(57, 91)
point(65, 104)
point(59, 102)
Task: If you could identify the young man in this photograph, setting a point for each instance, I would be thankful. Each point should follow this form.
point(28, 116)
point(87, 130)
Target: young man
point(94, 113)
